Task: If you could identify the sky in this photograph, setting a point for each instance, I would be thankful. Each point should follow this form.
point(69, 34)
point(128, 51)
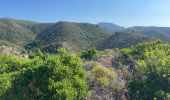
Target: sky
point(121, 12)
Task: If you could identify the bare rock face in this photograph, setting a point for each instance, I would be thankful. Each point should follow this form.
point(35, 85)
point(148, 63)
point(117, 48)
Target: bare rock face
point(25, 54)
point(9, 50)
point(12, 50)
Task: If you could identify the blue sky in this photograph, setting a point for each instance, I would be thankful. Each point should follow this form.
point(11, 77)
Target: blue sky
point(121, 12)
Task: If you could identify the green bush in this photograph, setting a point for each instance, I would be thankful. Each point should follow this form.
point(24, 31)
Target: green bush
point(54, 77)
point(89, 54)
point(153, 78)
point(102, 74)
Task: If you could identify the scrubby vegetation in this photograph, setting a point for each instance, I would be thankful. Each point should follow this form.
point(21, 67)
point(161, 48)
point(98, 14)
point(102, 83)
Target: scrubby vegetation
point(57, 61)
point(89, 54)
point(152, 79)
point(47, 76)
point(141, 72)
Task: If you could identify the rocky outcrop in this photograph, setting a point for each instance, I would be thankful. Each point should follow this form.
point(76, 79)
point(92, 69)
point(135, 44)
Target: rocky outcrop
point(12, 50)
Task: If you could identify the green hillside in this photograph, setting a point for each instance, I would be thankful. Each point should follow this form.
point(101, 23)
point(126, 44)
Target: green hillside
point(123, 40)
point(73, 36)
point(16, 31)
point(158, 32)
point(38, 28)
point(80, 36)
point(70, 35)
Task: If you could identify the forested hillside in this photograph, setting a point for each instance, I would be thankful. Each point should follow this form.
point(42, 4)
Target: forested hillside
point(123, 40)
point(15, 31)
point(158, 32)
point(73, 36)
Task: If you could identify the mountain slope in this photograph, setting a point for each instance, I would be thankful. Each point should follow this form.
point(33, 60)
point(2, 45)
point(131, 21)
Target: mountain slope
point(16, 31)
point(122, 40)
point(73, 36)
point(39, 28)
point(158, 32)
point(110, 27)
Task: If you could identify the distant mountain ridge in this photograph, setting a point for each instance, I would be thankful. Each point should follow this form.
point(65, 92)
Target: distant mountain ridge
point(157, 32)
point(75, 36)
point(152, 31)
point(110, 27)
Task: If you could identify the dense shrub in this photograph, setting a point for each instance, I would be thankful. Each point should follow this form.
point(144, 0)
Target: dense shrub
point(89, 54)
point(153, 79)
point(103, 83)
point(59, 76)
